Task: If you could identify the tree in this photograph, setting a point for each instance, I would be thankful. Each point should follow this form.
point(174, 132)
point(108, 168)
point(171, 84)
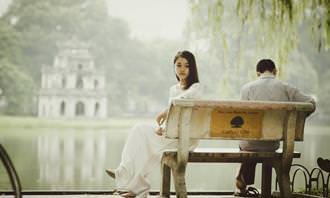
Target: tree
point(236, 34)
point(16, 85)
point(43, 24)
point(272, 23)
point(10, 44)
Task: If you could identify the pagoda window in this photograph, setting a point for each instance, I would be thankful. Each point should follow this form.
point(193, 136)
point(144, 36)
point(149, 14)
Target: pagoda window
point(62, 108)
point(80, 82)
point(97, 109)
point(96, 84)
point(80, 109)
point(43, 110)
point(63, 82)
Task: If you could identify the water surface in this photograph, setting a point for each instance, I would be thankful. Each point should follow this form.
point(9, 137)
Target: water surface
point(75, 159)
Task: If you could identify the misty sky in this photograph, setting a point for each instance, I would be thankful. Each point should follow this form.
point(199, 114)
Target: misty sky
point(3, 5)
point(147, 19)
point(150, 19)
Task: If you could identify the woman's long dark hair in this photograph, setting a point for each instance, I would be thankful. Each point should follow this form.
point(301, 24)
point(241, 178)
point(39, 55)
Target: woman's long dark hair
point(193, 74)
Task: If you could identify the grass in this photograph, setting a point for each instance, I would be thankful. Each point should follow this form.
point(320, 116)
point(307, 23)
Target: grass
point(35, 122)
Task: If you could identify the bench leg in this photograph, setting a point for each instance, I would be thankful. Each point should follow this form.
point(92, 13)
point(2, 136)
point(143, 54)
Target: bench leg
point(266, 181)
point(166, 181)
point(179, 181)
point(282, 173)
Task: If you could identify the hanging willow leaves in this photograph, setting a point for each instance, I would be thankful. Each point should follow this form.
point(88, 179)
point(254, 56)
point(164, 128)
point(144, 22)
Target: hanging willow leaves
point(236, 34)
point(274, 23)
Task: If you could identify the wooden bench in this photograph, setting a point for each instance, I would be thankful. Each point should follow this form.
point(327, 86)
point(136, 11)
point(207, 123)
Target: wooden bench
point(233, 120)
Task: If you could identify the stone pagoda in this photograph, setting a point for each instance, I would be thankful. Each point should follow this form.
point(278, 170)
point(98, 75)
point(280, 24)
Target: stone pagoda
point(73, 87)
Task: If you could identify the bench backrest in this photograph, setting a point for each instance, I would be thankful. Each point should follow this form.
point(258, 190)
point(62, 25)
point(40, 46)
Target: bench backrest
point(238, 120)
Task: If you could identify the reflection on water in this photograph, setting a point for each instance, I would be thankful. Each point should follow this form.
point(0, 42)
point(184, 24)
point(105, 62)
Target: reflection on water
point(60, 162)
point(76, 158)
point(72, 159)
point(52, 159)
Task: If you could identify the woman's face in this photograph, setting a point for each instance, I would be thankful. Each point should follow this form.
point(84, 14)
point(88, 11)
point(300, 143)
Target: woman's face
point(182, 68)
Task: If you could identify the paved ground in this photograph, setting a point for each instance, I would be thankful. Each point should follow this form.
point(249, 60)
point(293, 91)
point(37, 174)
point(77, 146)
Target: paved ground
point(105, 194)
point(108, 196)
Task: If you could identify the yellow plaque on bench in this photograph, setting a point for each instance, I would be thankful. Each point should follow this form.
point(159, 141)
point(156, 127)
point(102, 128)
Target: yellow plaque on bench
point(236, 124)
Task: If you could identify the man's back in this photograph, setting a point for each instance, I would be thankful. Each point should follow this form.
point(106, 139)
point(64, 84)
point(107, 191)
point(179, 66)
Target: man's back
point(268, 88)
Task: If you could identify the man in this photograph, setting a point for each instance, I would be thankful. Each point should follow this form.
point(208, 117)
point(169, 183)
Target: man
point(265, 88)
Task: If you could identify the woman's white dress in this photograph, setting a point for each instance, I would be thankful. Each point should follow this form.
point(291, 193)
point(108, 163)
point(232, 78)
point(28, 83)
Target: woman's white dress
point(143, 148)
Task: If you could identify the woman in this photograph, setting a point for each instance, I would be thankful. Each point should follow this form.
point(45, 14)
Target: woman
point(145, 143)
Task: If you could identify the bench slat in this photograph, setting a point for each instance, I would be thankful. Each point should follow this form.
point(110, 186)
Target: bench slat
point(228, 155)
point(248, 105)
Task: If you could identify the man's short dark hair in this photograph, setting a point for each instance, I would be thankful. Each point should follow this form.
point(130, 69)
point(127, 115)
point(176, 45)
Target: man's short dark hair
point(265, 65)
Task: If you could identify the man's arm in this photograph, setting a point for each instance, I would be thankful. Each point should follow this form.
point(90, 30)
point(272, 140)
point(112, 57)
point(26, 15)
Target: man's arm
point(244, 93)
point(298, 96)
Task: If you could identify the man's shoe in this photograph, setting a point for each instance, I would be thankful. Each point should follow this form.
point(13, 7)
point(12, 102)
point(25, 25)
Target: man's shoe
point(250, 192)
point(111, 173)
point(324, 164)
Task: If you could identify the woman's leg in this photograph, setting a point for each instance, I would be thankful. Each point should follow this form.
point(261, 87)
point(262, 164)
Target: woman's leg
point(141, 153)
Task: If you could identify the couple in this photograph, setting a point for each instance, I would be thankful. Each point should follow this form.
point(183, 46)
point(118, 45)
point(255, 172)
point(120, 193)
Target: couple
point(145, 143)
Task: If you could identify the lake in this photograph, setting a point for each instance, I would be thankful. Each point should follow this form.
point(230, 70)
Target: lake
point(66, 157)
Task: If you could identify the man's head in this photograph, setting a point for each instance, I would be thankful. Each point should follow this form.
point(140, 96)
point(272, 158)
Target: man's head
point(266, 65)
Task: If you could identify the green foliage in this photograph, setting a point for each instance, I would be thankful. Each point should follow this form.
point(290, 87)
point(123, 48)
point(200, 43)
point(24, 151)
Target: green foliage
point(273, 24)
point(43, 24)
point(314, 191)
point(10, 44)
point(16, 87)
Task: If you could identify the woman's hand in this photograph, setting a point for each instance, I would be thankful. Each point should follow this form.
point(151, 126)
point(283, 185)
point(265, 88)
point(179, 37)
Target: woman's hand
point(159, 131)
point(161, 117)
